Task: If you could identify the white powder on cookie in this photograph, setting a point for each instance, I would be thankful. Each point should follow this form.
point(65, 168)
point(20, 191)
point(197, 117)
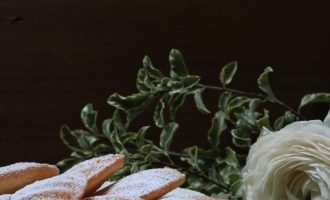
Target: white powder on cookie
point(94, 166)
point(21, 166)
point(184, 194)
point(145, 182)
point(5, 197)
point(65, 186)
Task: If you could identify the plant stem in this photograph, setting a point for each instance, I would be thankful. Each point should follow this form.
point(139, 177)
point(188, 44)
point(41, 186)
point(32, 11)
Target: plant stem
point(221, 185)
point(182, 155)
point(282, 104)
point(233, 91)
point(291, 110)
point(176, 154)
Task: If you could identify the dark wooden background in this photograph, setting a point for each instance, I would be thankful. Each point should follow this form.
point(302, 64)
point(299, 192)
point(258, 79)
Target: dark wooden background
point(56, 56)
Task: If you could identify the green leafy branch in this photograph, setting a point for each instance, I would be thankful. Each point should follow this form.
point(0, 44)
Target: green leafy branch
point(215, 170)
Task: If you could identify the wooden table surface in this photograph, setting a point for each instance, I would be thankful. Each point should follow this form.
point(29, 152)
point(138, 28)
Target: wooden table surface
point(56, 56)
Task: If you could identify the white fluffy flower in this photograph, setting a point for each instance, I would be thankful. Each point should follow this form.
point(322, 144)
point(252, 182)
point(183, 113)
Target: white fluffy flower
point(290, 164)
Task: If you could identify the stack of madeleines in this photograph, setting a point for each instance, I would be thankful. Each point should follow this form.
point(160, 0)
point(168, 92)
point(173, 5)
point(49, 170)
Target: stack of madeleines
point(34, 181)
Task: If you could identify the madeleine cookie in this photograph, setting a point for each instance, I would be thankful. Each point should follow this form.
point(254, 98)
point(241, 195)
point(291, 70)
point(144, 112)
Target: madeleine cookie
point(106, 197)
point(98, 170)
point(16, 176)
point(65, 186)
point(185, 194)
point(148, 184)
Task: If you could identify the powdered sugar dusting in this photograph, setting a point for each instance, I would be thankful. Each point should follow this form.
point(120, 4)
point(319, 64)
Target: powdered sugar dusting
point(18, 167)
point(93, 166)
point(65, 186)
point(5, 197)
point(145, 182)
point(107, 197)
point(184, 194)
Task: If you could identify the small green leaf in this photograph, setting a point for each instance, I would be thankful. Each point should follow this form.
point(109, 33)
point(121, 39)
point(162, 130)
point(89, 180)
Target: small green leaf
point(159, 114)
point(264, 121)
point(134, 168)
point(167, 136)
point(176, 104)
point(264, 85)
point(151, 70)
point(147, 151)
point(128, 138)
point(77, 154)
point(237, 102)
point(199, 101)
point(247, 118)
point(129, 102)
point(88, 117)
point(68, 138)
point(143, 84)
point(223, 101)
point(146, 166)
point(230, 166)
point(240, 138)
point(134, 112)
point(217, 127)
point(234, 177)
point(254, 103)
point(107, 127)
point(231, 158)
point(284, 120)
point(192, 159)
point(184, 84)
point(117, 122)
point(235, 187)
point(178, 66)
point(141, 135)
point(174, 85)
point(190, 80)
point(314, 98)
point(133, 105)
point(102, 149)
point(227, 73)
point(163, 84)
point(85, 142)
point(116, 142)
point(122, 172)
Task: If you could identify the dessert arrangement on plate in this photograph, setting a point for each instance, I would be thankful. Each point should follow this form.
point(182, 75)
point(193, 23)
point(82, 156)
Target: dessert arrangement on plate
point(86, 180)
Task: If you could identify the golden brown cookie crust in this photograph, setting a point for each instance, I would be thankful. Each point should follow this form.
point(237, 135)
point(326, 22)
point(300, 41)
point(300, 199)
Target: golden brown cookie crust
point(149, 184)
point(16, 176)
point(98, 170)
point(65, 186)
